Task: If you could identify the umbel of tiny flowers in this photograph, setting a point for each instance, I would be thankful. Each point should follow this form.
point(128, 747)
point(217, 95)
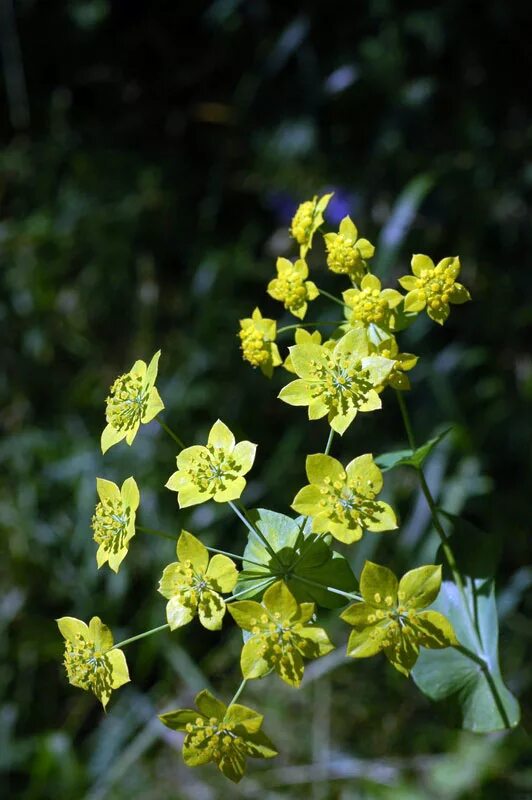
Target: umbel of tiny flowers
point(307, 220)
point(371, 308)
point(346, 253)
point(257, 342)
point(193, 584)
point(433, 287)
point(133, 400)
point(212, 472)
point(113, 521)
point(224, 735)
point(343, 501)
point(291, 287)
point(280, 635)
point(391, 617)
point(403, 362)
point(89, 660)
point(338, 382)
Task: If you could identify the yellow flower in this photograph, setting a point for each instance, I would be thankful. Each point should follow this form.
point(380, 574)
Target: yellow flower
point(433, 287)
point(133, 400)
point(257, 336)
point(346, 253)
point(403, 362)
point(369, 306)
point(90, 661)
point(215, 471)
point(391, 618)
point(226, 735)
point(291, 288)
point(192, 585)
point(113, 521)
point(344, 502)
point(307, 220)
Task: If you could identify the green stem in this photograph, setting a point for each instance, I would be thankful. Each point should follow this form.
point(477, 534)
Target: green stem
point(238, 692)
point(245, 591)
point(329, 443)
point(243, 517)
point(138, 636)
point(172, 435)
point(446, 547)
point(171, 536)
point(311, 325)
point(332, 297)
point(348, 595)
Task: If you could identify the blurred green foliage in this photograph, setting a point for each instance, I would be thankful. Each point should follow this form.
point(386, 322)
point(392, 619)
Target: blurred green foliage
point(151, 158)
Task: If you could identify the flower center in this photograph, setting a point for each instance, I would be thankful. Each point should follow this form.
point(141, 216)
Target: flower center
point(342, 385)
point(110, 524)
point(84, 664)
point(217, 738)
point(344, 258)
point(213, 469)
point(368, 306)
point(302, 222)
point(350, 503)
point(127, 402)
point(437, 284)
point(254, 347)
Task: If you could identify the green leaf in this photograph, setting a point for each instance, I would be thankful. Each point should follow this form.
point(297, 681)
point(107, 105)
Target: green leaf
point(470, 674)
point(409, 458)
point(300, 556)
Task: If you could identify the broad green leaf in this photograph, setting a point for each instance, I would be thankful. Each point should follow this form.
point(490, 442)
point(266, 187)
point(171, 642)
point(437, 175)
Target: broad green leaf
point(470, 674)
point(409, 458)
point(301, 559)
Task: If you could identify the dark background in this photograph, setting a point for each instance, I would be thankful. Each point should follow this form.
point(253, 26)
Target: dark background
point(152, 155)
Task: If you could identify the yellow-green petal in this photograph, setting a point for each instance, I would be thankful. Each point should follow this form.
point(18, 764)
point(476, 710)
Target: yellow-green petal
point(71, 628)
point(320, 466)
point(154, 405)
point(252, 663)
point(415, 301)
point(420, 587)
point(378, 583)
point(246, 613)
point(222, 573)
point(420, 263)
point(366, 643)
point(191, 549)
point(130, 494)
point(110, 436)
point(295, 393)
point(433, 630)
point(244, 455)
point(278, 598)
point(211, 610)
point(177, 614)
point(221, 436)
point(365, 473)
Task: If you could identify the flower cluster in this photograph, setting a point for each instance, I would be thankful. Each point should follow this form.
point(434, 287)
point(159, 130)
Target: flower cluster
point(216, 732)
point(391, 618)
point(289, 566)
point(194, 585)
point(343, 501)
point(212, 471)
point(279, 635)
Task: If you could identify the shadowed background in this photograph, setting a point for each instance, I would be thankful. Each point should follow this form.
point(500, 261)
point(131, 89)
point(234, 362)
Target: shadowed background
point(151, 158)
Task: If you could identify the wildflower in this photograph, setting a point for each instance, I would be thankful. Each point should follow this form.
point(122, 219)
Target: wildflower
point(225, 735)
point(90, 661)
point(369, 306)
point(433, 287)
point(343, 501)
point(403, 362)
point(257, 342)
point(113, 521)
point(307, 220)
point(192, 585)
point(279, 636)
point(346, 253)
point(337, 382)
point(215, 471)
point(391, 619)
point(291, 288)
point(133, 399)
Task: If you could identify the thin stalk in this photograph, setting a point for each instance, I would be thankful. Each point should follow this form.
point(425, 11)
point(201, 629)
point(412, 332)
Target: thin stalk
point(329, 443)
point(138, 636)
point(332, 297)
point(172, 435)
point(348, 595)
point(446, 547)
point(238, 692)
point(245, 591)
point(243, 517)
point(311, 325)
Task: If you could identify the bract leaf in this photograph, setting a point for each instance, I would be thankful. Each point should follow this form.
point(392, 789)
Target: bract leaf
point(304, 561)
point(409, 458)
